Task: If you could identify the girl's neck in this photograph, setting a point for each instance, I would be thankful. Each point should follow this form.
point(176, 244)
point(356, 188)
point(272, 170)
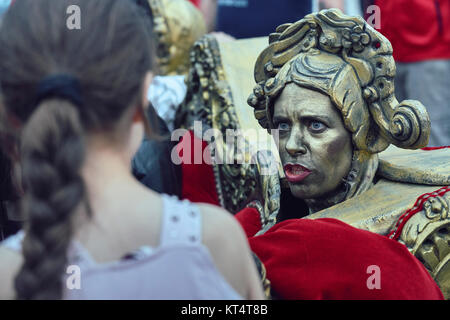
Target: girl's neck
point(108, 179)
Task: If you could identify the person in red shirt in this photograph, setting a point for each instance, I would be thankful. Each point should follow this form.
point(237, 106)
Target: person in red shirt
point(419, 31)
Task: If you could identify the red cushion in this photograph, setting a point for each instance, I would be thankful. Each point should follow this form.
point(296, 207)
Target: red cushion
point(328, 259)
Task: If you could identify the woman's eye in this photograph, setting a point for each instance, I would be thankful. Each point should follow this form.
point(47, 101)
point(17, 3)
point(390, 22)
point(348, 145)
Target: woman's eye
point(317, 126)
point(283, 126)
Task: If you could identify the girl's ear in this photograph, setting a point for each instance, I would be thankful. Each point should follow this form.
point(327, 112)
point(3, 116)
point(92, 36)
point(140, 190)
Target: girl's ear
point(138, 115)
point(145, 86)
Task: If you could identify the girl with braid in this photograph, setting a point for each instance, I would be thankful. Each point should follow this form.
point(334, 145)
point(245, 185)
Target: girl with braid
point(76, 99)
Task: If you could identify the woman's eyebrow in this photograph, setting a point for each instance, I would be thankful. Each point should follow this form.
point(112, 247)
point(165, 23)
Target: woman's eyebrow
point(279, 117)
point(307, 116)
point(317, 117)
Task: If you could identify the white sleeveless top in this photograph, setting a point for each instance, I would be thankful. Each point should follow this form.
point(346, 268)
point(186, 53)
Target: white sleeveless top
point(181, 267)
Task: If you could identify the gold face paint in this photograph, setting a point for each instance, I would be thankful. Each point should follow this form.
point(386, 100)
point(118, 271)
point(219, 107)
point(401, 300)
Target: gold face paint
point(315, 148)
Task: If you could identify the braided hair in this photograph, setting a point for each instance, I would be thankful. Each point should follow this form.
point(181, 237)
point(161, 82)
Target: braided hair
point(106, 61)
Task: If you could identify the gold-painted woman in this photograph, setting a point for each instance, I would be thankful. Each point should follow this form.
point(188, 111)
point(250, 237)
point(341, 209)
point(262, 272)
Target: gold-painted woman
point(326, 84)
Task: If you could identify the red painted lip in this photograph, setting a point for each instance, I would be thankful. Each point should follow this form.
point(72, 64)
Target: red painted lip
point(292, 176)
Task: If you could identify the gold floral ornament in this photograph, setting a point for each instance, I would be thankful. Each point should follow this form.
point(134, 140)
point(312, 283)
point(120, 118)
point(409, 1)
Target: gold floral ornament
point(346, 59)
point(177, 24)
point(355, 39)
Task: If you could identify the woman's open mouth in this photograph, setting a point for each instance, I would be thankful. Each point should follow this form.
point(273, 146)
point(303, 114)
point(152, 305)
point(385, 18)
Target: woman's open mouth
point(295, 172)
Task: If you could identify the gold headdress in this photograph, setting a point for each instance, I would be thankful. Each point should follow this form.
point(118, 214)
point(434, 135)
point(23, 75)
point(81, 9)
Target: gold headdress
point(177, 25)
point(345, 58)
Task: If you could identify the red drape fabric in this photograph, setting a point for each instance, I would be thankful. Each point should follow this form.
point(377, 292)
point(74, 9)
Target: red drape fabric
point(328, 259)
point(249, 220)
point(434, 148)
point(196, 3)
point(198, 182)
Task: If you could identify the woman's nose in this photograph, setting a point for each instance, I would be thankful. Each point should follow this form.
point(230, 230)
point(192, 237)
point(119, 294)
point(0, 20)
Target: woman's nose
point(295, 144)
